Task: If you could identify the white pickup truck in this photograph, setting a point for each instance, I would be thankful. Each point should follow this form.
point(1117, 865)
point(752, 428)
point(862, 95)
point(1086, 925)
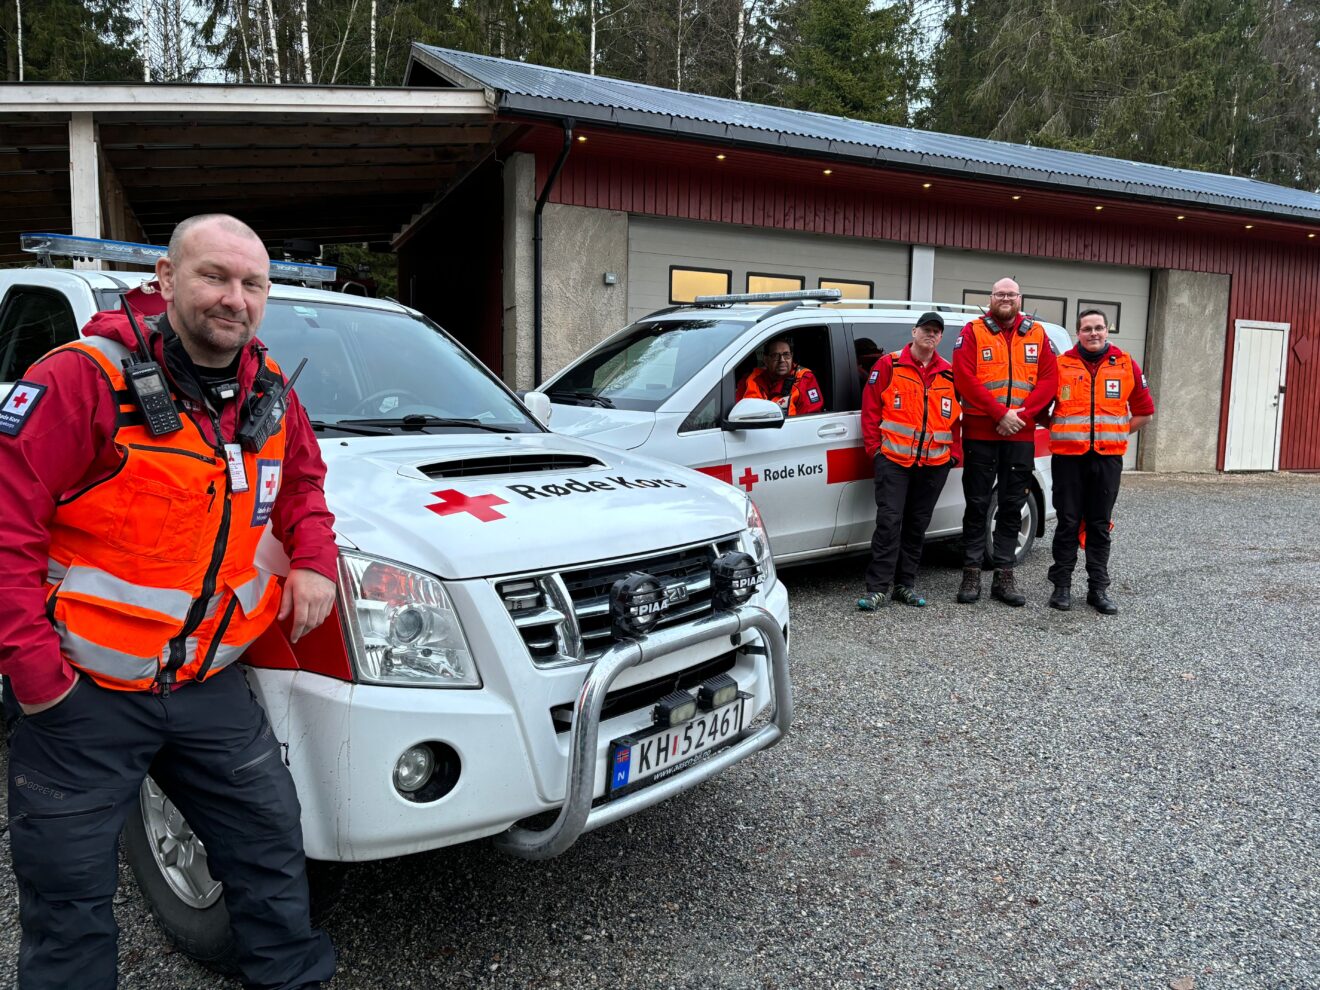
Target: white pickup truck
point(527, 623)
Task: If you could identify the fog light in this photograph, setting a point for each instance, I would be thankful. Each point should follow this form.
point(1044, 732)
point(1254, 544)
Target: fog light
point(413, 769)
point(675, 709)
point(636, 602)
point(735, 578)
point(717, 692)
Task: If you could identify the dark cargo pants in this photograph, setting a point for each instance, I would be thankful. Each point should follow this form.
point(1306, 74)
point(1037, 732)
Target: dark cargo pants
point(1004, 466)
point(74, 775)
point(1085, 490)
point(905, 500)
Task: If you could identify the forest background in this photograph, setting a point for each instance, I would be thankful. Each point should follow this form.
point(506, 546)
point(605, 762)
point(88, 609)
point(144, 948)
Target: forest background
point(1229, 86)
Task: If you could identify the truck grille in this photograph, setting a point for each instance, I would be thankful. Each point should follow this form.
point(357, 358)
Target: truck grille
point(564, 617)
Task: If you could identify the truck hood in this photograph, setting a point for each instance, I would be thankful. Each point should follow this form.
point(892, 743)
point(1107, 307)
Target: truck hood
point(464, 506)
point(622, 428)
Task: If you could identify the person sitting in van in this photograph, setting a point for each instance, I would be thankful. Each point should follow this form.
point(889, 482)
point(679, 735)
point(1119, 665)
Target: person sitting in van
point(782, 381)
point(868, 353)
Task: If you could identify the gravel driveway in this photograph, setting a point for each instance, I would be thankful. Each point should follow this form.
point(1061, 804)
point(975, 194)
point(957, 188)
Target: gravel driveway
point(972, 796)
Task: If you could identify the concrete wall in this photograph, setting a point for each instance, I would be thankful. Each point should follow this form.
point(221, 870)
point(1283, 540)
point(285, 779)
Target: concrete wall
point(581, 246)
point(519, 206)
point(1185, 366)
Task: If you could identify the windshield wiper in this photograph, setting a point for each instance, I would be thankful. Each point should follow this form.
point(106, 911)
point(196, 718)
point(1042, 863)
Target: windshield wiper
point(584, 397)
point(362, 430)
point(419, 421)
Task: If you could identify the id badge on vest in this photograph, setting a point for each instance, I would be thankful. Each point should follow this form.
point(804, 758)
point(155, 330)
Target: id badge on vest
point(238, 480)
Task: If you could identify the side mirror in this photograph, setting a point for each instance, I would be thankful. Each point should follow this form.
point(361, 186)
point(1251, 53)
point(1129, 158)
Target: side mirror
point(754, 414)
point(538, 404)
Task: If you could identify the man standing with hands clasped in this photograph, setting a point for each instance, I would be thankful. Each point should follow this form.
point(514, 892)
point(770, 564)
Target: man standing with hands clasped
point(908, 412)
point(1102, 400)
point(133, 507)
point(1004, 370)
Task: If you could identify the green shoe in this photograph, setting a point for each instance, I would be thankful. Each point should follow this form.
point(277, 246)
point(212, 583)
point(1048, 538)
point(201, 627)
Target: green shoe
point(907, 596)
point(872, 600)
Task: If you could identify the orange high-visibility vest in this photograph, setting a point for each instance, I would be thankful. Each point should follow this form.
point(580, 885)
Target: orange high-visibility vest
point(793, 402)
point(151, 575)
point(1092, 413)
point(1008, 363)
point(916, 426)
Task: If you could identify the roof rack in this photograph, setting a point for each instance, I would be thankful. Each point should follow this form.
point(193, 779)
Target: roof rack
point(800, 295)
point(938, 307)
point(47, 246)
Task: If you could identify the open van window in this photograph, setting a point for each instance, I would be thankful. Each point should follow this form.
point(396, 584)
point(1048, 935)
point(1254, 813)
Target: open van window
point(644, 364)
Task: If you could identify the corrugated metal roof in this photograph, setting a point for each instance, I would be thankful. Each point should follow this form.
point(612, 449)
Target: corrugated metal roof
point(558, 92)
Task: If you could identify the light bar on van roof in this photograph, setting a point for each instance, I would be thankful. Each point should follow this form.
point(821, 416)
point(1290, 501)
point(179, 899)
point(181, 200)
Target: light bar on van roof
point(128, 253)
point(821, 295)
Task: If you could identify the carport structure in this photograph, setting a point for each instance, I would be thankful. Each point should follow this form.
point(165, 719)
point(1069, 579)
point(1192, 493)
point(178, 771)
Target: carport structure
point(328, 163)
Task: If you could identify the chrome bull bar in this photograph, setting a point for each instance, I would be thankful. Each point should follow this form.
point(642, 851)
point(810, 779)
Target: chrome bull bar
point(576, 816)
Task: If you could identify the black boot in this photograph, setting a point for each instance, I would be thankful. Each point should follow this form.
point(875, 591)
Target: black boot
point(970, 589)
point(1098, 599)
point(1062, 597)
point(1004, 587)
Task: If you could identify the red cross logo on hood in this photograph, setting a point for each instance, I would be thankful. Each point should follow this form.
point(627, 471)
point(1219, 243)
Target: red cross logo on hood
point(481, 506)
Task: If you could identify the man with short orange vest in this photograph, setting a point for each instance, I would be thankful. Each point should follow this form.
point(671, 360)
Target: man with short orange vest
point(1004, 370)
point(908, 412)
point(793, 388)
point(134, 499)
point(1102, 400)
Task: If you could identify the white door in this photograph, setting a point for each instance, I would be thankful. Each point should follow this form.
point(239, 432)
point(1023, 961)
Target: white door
point(1255, 398)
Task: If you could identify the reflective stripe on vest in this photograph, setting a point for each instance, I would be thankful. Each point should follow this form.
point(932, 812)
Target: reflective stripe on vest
point(153, 565)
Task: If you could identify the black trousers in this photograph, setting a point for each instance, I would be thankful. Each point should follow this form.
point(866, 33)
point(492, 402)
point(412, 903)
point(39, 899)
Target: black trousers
point(905, 498)
point(1085, 489)
point(988, 465)
point(74, 774)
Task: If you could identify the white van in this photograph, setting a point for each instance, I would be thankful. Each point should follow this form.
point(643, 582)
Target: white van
point(665, 387)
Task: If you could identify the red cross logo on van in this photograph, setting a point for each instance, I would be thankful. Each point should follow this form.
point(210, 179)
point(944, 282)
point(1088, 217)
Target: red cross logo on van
point(480, 506)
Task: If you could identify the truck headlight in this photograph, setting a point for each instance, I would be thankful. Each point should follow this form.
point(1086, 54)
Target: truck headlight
point(402, 626)
point(756, 541)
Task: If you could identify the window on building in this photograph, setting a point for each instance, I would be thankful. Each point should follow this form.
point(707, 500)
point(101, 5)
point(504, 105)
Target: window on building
point(1110, 309)
point(850, 289)
point(685, 284)
point(32, 321)
point(761, 282)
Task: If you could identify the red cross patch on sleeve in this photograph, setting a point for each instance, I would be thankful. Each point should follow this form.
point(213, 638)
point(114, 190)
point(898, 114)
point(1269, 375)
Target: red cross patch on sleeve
point(18, 405)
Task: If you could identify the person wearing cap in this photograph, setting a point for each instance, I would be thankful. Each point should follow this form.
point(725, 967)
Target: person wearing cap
point(909, 408)
point(1102, 400)
point(1005, 373)
point(781, 380)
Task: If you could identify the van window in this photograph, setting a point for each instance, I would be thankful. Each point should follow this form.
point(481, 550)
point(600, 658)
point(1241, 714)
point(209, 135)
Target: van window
point(32, 322)
point(811, 350)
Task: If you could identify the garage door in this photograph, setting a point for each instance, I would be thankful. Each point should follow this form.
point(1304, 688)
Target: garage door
point(664, 255)
point(1056, 291)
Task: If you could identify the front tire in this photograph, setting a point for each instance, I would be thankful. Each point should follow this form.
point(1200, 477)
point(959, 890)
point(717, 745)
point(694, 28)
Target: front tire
point(1026, 536)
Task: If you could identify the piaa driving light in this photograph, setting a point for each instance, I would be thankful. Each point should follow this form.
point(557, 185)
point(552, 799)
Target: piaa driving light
point(717, 692)
point(675, 709)
point(636, 603)
point(735, 577)
point(403, 629)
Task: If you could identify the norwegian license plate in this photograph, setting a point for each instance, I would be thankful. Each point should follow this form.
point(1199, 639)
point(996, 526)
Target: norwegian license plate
point(634, 758)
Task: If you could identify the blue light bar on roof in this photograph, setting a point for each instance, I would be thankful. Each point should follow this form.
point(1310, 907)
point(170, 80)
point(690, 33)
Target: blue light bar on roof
point(128, 253)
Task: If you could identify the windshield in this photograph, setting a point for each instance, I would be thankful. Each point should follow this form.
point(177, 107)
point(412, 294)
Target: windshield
point(389, 369)
point(645, 364)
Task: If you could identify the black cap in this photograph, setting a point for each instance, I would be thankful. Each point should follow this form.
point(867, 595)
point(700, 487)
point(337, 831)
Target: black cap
point(930, 318)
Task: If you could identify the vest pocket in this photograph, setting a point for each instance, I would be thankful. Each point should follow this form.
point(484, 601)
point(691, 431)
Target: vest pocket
point(160, 521)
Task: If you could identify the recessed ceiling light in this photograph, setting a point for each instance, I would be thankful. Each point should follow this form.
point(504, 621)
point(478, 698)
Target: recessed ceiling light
point(721, 156)
point(1099, 208)
point(828, 171)
point(1310, 235)
point(1017, 197)
point(1248, 226)
point(1182, 216)
point(582, 138)
point(925, 185)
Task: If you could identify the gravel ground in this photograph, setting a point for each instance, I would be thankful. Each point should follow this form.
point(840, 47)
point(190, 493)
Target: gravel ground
point(972, 797)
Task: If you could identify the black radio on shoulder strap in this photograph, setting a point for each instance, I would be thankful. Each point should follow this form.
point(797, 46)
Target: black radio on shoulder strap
point(265, 407)
point(146, 380)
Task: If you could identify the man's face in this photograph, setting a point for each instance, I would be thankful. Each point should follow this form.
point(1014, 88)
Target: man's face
point(216, 293)
point(1092, 334)
point(778, 359)
point(927, 335)
point(1005, 300)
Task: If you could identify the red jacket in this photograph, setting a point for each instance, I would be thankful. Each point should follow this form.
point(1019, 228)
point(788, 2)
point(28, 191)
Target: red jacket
point(876, 383)
point(66, 442)
point(980, 410)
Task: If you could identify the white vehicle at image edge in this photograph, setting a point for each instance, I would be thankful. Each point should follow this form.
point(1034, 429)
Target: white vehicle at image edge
point(665, 386)
point(528, 624)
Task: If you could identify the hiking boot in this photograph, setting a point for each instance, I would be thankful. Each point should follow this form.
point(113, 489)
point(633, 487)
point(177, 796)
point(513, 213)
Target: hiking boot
point(970, 589)
point(1062, 597)
point(873, 600)
point(1098, 599)
point(902, 593)
point(1005, 588)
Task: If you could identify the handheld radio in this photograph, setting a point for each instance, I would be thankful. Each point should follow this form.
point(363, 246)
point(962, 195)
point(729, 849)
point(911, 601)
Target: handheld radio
point(264, 413)
point(147, 382)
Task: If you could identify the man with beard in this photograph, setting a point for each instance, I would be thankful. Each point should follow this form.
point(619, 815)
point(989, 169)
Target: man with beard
point(131, 588)
point(1004, 371)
